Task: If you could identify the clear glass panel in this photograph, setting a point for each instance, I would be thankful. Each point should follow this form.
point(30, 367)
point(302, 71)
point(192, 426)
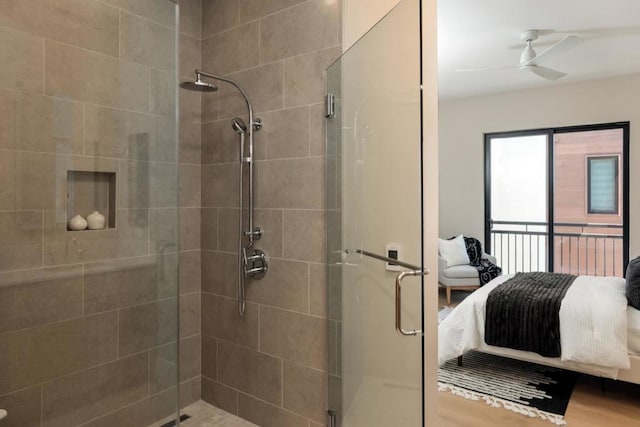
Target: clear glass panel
point(88, 301)
point(374, 202)
point(588, 223)
point(518, 220)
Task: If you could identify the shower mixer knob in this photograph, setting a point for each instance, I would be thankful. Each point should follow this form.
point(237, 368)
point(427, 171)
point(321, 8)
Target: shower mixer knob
point(256, 265)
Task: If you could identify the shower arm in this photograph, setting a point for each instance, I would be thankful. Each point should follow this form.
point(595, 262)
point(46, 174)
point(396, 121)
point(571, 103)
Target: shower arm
point(252, 233)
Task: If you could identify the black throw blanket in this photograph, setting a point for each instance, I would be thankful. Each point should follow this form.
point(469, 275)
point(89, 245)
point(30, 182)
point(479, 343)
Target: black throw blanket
point(524, 312)
point(487, 271)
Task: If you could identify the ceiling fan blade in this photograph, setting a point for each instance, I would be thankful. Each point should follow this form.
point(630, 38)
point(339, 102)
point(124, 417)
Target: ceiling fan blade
point(564, 45)
point(544, 72)
point(468, 70)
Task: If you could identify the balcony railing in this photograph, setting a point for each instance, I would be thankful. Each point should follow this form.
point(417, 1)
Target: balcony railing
point(579, 248)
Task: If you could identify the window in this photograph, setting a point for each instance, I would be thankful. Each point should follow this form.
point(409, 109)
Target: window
point(602, 185)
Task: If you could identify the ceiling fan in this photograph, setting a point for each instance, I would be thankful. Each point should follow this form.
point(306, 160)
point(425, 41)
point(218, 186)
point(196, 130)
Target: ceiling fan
point(530, 61)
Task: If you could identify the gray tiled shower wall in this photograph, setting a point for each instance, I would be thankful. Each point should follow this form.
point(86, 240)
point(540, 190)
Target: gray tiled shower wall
point(88, 319)
point(270, 366)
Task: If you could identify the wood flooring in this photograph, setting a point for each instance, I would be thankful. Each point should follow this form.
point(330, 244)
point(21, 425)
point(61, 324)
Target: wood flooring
point(617, 406)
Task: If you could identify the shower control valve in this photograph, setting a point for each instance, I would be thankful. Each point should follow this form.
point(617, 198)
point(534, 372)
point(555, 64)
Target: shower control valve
point(256, 264)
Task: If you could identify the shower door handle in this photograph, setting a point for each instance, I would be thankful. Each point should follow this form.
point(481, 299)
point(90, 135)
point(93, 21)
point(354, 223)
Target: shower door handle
point(399, 279)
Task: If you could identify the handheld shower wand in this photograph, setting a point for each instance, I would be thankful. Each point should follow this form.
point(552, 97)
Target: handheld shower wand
point(252, 262)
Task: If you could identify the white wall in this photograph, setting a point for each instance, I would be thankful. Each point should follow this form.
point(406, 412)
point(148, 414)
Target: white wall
point(358, 16)
point(463, 123)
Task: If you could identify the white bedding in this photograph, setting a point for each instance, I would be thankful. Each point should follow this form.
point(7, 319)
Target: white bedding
point(593, 327)
point(633, 327)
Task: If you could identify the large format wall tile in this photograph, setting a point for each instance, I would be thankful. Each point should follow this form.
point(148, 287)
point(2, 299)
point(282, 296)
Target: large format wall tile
point(190, 315)
point(141, 413)
point(190, 272)
point(22, 60)
point(238, 367)
point(219, 15)
point(146, 326)
point(220, 185)
point(267, 415)
point(71, 400)
point(220, 319)
point(25, 356)
point(304, 235)
point(8, 179)
point(190, 142)
point(232, 50)
point(220, 395)
point(37, 297)
point(23, 407)
point(219, 143)
point(148, 184)
point(290, 184)
point(190, 185)
point(110, 285)
point(209, 357)
point(264, 83)
point(60, 124)
point(253, 9)
point(86, 76)
point(163, 94)
point(124, 134)
point(146, 42)
point(190, 54)
point(35, 188)
point(190, 391)
point(7, 119)
point(219, 273)
point(305, 391)
point(160, 11)
point(90, 25)
point(303, 76)
point(296, 337)
point(310, 26)
point(286, 286)
point(191, 17)
point(270, 220)
point(287, 134)
point(21, 243)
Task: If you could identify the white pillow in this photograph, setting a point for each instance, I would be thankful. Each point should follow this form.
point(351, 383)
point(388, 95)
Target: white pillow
point(453, 251)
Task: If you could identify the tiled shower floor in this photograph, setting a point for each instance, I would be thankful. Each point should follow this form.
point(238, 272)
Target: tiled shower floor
point(205, 415)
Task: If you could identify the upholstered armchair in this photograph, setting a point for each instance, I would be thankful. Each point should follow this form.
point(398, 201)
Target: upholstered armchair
point(459, 277)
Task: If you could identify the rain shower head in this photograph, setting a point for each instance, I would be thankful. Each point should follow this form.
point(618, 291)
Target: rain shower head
point(199, 85)
point(238, 125)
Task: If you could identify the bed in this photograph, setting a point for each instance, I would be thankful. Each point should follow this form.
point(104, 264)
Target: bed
point(608, 352)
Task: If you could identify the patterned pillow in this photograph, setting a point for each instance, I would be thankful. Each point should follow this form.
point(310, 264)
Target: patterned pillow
point(633, 283)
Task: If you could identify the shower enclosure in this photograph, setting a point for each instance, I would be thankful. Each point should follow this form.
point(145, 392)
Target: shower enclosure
point(374, 213)
point(88, 122)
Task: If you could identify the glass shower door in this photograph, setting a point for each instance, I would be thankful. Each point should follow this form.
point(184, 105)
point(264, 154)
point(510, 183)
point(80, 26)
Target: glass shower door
point(375, 212)
point(88, 301)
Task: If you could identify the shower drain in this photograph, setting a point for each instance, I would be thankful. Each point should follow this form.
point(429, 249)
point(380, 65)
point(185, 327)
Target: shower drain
point(172, 423)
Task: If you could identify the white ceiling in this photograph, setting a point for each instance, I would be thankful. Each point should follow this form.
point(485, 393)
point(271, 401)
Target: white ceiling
point(486, 33)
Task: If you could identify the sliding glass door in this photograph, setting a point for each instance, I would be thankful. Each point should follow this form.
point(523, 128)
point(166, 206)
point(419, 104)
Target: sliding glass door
point(517, 195)
point(557, 199)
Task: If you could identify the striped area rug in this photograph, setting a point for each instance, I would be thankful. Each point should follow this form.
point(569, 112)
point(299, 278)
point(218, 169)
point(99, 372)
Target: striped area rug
point(526, 388)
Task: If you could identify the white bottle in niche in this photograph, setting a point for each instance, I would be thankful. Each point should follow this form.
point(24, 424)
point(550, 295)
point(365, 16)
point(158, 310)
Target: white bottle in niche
point(77, 223)
point(96, 221)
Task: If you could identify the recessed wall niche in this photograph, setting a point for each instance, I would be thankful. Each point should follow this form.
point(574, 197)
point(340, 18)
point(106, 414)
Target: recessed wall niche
point(91, 191)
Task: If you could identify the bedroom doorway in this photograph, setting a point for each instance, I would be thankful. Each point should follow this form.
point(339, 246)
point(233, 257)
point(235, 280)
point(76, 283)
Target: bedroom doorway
point(557, 199)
